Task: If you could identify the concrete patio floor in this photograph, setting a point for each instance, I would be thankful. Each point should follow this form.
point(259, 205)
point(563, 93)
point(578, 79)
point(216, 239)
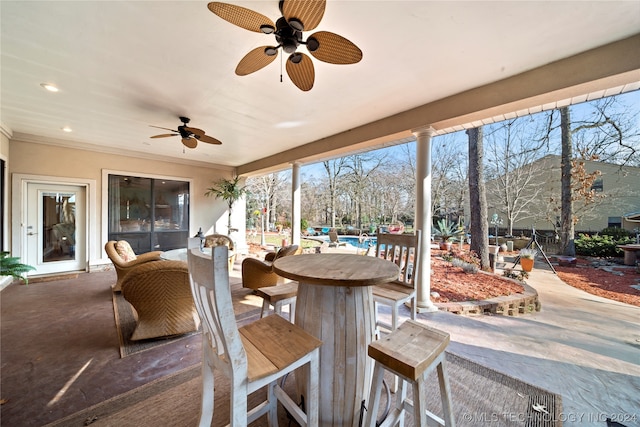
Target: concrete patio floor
point(581, 346)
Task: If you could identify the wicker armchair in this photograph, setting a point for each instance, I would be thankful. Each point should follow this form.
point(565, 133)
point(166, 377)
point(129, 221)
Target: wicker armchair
point(124, 259)
point(258, 274)
point(222, 240)
point(160, 293)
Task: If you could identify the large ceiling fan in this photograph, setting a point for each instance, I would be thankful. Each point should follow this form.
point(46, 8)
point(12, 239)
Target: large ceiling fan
point(190, 136)
point(297, 16)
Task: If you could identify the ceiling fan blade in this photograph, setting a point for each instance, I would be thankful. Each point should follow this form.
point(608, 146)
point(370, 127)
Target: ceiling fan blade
point(164, 135)
point(208, 139)
point(195, 131)
point(301, 74)
point(335, 49)
point(240, 16)
point(309, 12)
point(158, 127)
point(254, 60)
point(190, 142)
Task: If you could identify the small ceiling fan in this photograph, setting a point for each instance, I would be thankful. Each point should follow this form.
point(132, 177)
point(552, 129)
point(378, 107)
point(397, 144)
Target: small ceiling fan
point(190, 136)
point(297, 16)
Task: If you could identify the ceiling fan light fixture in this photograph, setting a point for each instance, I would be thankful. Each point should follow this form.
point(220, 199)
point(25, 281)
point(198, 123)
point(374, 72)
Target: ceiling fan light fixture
point(296, 24)
point(295, 58)
point(289, 45)
point(267, 29)
point(271, 51)
point(313, 44)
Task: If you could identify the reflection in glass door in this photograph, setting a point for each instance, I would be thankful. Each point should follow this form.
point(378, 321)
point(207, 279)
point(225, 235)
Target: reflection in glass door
point(59, 226)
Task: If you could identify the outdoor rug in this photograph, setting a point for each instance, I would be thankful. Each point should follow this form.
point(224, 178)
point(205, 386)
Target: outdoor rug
point(246, 305)
point(480, 396)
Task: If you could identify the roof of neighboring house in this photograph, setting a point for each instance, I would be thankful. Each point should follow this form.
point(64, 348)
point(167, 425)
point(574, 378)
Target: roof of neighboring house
point(633, 216)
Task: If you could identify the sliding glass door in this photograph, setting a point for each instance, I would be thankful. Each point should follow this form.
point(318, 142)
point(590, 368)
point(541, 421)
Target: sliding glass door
point(151, 214)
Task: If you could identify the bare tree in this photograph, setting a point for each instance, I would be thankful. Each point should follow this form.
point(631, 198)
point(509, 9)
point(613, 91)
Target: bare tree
point(269, 190)
point(602, 135)
point(567, 230)
point(333, 168)
point(449, 177)
point(610, 133)
point(515, 176)
point(361, 167)
point(477, 198)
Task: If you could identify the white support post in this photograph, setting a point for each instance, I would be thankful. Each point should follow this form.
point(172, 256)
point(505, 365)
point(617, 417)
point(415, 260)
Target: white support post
point(423, 217)
point(295, 204)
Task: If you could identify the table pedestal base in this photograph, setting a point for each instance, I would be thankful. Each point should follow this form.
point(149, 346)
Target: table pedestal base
point(343, 318)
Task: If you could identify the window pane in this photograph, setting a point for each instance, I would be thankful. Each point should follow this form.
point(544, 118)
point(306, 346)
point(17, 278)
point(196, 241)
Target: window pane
point(151, 214)
point(59, 227)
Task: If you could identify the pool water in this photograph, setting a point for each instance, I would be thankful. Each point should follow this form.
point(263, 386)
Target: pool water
point(352, 240)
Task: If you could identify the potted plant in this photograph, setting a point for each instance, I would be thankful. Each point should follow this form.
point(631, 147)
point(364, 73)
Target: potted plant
point(527, 257)
point(228, 190)
point(11, 266)
point(446, 231)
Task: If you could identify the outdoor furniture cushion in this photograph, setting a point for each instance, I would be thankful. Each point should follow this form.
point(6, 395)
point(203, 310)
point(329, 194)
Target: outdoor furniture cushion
point(212, 240)
point(124, 259)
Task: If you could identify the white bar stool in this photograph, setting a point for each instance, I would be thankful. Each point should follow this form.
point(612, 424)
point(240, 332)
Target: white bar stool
point(412, 352)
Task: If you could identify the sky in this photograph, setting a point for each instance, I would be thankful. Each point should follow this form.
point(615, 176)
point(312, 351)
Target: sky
point(630, 99)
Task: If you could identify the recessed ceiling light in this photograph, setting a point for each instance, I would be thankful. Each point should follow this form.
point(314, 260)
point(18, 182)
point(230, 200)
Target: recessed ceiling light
point(67, 129)
point(50, 87)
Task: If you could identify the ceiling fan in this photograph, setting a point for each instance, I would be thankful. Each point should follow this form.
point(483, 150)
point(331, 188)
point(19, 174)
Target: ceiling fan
point(297, 16)
point(190, 136)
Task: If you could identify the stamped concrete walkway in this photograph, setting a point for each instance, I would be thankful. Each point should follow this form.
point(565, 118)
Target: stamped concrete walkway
point(583, 347)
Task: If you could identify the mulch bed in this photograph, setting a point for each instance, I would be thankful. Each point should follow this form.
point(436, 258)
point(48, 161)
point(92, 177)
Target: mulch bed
point(607, 280)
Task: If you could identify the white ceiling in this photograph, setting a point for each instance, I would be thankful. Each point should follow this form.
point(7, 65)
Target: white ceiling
point(122, 66)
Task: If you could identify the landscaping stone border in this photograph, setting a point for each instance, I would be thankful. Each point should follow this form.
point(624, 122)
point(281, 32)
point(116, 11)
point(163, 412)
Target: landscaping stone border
point(509, 305)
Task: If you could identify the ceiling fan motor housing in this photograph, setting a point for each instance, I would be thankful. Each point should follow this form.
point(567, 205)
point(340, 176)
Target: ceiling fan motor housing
point(287, 36)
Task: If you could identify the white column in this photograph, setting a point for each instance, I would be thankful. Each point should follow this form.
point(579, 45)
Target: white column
point(423, 217)
point(295, 204)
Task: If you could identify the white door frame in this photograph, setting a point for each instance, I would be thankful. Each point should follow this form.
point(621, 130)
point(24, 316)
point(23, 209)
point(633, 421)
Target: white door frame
point(19, 201)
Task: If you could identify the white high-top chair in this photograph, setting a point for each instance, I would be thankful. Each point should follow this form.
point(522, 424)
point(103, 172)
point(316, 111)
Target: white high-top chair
point(253, 356)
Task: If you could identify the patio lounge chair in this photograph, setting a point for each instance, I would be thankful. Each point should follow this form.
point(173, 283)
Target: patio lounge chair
point(160, 293)
point(258, 274)
point(334, 240)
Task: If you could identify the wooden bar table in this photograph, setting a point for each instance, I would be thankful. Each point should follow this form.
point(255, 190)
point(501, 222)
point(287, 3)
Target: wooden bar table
point(335, 304)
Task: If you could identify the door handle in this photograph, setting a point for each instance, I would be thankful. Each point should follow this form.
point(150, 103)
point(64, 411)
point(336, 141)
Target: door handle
point(31, 233)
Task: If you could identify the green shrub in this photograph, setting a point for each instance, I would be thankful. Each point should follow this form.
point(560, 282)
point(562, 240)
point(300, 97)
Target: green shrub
point(616, 232)
point(600, 245)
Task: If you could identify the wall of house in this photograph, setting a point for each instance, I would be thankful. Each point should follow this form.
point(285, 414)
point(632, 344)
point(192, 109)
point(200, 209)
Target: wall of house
point(620, 188)
point(4, 155)
point(63, 162)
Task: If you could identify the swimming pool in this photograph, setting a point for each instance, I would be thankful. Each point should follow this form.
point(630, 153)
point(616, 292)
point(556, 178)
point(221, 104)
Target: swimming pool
point(352, 240)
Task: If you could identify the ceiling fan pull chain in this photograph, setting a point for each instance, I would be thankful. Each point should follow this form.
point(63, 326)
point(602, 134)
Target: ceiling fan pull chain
point(281, 68)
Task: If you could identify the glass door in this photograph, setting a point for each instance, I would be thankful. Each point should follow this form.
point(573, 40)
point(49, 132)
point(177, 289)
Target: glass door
point(55, 229)
point(149, 213)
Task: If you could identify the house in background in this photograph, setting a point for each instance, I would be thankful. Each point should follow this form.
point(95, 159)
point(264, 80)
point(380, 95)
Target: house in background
point(616, 192)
